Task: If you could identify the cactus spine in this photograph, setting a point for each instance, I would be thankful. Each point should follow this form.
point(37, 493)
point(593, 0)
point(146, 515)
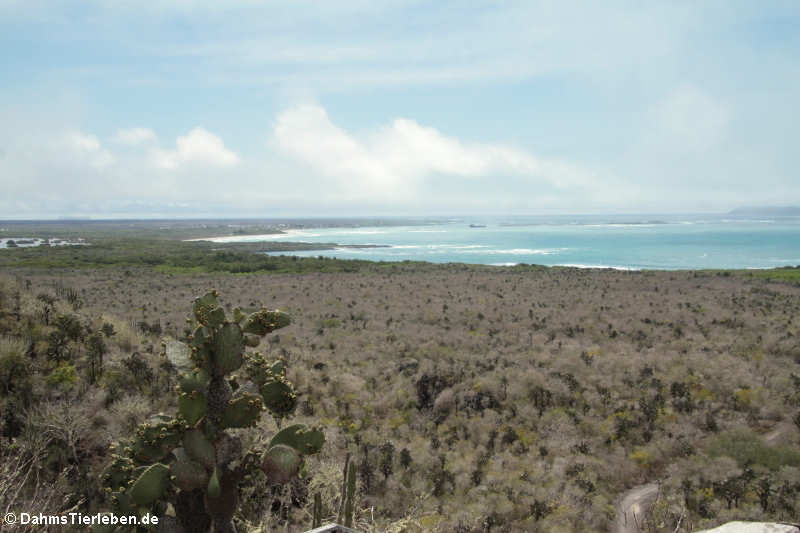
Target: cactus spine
point(190, 460)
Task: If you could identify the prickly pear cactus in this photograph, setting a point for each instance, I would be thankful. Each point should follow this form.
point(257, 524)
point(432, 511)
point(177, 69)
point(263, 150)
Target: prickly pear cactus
point(190, 460)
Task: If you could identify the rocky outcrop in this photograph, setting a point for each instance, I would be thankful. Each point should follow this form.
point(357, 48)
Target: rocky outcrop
point(753, 527)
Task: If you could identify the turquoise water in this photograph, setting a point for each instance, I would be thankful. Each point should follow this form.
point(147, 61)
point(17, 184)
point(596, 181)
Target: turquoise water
point(628, 242)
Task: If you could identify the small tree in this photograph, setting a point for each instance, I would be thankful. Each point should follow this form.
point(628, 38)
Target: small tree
point(191, 460)
point(96, 349)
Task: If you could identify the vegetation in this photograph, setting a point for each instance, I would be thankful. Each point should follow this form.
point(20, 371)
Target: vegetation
point(193, 461)
point(468, 398)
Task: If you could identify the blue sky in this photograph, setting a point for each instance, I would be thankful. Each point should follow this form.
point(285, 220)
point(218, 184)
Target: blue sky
point(264, 108)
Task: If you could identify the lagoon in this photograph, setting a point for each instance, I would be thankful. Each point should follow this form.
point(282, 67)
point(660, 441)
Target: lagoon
point(599, 241)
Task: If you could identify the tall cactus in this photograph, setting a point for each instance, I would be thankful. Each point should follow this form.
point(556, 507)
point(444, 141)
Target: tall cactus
point(350, 496)
point(190, 460)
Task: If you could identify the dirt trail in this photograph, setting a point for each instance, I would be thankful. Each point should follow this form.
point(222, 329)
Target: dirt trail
point(774, 436)
point(634, 502)
point(632, 506)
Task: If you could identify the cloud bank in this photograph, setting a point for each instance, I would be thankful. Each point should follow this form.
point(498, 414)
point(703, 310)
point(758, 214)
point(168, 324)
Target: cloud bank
point(305, 160)
point(398, 158)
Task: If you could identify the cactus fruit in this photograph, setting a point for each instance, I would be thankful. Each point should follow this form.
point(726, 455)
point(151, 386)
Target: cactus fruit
point(151, 485)
point(206, 463)
point(242, 412)
point(223, 506)
point(189, 474)
point(300, 437)
point(281, 463)
point(214, 488)
point(228, 348)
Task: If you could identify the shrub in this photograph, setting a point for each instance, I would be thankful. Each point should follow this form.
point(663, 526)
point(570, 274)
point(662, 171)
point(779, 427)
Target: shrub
point(748, 449)
point(63, 376)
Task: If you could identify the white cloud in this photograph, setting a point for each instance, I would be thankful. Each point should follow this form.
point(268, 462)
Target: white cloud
point(200, 147)
point(134, 136)
point(87, 147)
point(401, 155)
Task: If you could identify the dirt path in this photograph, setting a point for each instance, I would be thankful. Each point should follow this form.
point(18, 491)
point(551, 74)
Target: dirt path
point(634, 502)
point(775, 436)
point(631, 507)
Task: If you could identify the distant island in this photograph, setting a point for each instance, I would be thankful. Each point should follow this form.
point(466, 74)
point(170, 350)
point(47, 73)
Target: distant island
point(773, 211)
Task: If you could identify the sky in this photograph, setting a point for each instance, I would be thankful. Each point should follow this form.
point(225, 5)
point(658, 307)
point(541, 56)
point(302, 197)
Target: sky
point(261, 108)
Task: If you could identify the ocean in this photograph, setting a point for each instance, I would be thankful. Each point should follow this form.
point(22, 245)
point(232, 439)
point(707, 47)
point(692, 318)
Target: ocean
point(603, 241)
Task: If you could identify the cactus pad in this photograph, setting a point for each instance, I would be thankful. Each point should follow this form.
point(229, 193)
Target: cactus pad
point(118, 473)
point(189, 474)
point(305, 440)
point(196, 380)
point(242, 412)
point(278, 368)
point(203, 306)
point(199, 448)
point(215, 317)
point(155, 438)
point(228, 349)
point(279, 397)
point(201, 357)
point(257, 368)
point(121, 503)
point(150, 485)
point(262, 322)
point(192, 406)
point(200, 336)
point(281, 463)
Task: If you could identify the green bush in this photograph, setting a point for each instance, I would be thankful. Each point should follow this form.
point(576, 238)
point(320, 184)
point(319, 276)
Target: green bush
point(63, 375)
point(748, 449)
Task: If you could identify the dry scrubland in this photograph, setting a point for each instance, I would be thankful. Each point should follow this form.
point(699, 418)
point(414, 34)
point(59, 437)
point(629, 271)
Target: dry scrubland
point(471, 400)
